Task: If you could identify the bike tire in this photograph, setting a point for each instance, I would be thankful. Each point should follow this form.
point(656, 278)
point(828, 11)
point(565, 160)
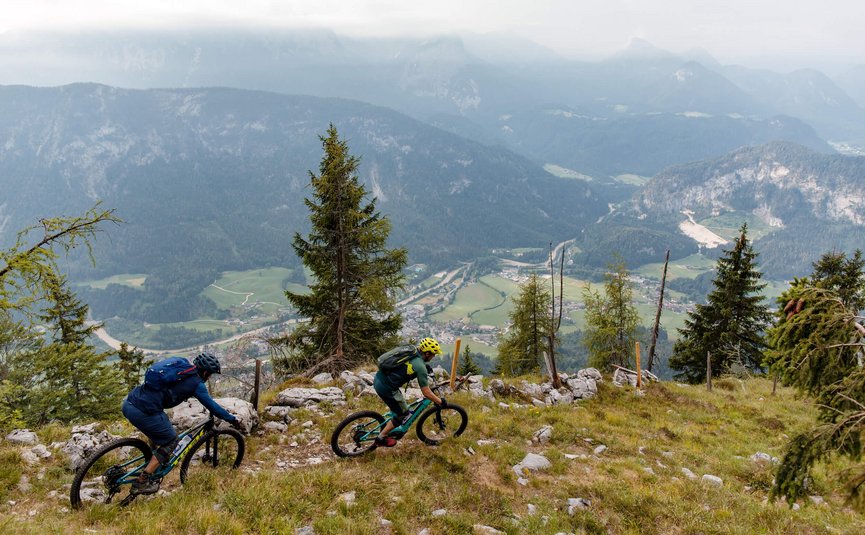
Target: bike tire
point(433, 430)
point(344, 448)
point(221, 447)
point(96, 466)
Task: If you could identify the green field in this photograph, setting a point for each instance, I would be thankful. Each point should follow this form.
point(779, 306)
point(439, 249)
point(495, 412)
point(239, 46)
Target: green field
point(265, 287)
point(687, 268)
point(133, 280)
point(634, 180)
point(728, 225)
point(564, 172)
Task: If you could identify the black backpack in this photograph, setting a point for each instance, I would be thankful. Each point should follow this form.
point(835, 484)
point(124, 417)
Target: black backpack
point(393, 359)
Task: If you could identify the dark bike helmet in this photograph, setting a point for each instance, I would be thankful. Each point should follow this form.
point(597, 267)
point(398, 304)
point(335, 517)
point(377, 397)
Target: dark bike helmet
point(206, 362)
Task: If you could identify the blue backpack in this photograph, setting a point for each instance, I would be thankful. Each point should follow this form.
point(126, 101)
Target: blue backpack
point(168, 372)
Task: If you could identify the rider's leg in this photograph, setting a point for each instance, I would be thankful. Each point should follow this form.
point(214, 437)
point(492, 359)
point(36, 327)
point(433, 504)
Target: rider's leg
point(395, 402)
point(159, 430)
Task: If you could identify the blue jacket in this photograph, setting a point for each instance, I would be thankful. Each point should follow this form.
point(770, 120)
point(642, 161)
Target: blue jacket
point(151, 400)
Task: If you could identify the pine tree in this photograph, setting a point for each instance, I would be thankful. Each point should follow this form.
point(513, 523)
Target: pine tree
point(730, 325)
point(351, 306)
point(66, 379)
point(817, 347)
point(611, 320)
point(521, 348)
point(132, 364)
point(843, 276)
point(468, 365)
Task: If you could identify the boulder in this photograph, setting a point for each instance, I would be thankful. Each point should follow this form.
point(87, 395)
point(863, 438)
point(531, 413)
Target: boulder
point(24, 437)
point(590, 373)
point(531, 390)
point(276, 427)
point(712, 481)
point(84, 441)
point(480, 529)
point(304, 397)
point(322, 378)
point(280, 413)
point(368, 378)
point(764, 458)
point(562, 396)
point(621, 377)
point(191, 413)
point(532, 462)
point(582, 387)
point(40, 451)
point(543, 435)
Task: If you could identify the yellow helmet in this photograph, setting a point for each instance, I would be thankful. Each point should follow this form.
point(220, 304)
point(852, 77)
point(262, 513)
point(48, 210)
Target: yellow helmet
point(429, 344)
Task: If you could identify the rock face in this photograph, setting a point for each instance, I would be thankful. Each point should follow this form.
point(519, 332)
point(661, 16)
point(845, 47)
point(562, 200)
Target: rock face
point(191, 413)
point(85, 440)
point(305, 397)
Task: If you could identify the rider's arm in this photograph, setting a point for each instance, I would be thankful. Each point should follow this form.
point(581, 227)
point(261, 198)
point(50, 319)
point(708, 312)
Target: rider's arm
point(202, 395)
point(423, 382)
point(430, 395)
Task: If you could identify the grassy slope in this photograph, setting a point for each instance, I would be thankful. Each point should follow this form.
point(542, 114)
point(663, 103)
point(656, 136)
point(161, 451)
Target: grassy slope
point(706, 432)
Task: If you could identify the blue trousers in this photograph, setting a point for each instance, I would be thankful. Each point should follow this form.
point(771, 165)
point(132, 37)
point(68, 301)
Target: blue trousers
point(155, 426)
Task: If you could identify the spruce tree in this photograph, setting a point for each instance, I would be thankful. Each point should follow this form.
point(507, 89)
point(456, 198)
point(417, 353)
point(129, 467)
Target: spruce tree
point(67, 379)
point(730, 325)
point(844, 276)
point(468, 366)
point(611, 320)
point(351, 305)
point(817, 346)
point(132, 363)
point(521, 348)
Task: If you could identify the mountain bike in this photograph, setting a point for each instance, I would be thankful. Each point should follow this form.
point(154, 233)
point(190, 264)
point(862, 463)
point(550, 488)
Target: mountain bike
point(356, 434)
point(118, 463)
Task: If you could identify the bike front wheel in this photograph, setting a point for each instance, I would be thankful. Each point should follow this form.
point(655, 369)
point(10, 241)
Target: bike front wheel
point(102, 475)
point(438, 424)
point(219, 448)
point(356, 434)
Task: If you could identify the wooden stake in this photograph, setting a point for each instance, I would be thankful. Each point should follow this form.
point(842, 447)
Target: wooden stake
point(454, 364)
point(639, 373)
point(708, 371)
point(257, 384)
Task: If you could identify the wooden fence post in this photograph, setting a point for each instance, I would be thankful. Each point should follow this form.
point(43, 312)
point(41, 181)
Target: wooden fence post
point(709, 371)
point(639, 373)
point(454, 364)
point(257, 384)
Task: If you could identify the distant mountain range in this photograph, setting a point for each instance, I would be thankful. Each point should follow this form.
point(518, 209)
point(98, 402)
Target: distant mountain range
point(218, 176)
point(491, 89)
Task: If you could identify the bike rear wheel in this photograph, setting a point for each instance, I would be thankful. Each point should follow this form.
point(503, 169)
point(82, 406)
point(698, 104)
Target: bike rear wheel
point(439, 424)
point(98, 478)
point(354, 436)
point(218, 448)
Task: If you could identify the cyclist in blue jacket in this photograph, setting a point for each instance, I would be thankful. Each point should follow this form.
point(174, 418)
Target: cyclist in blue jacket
point(144, 408)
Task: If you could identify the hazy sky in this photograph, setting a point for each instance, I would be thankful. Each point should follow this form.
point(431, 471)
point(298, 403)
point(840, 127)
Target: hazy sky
point(732, 30)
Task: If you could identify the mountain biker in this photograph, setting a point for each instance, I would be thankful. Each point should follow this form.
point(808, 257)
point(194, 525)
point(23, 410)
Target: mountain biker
point(413, 364)
point(143, 407)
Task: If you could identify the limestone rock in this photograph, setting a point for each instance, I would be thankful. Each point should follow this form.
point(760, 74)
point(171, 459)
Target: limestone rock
point(84, 441)
point(25, 437)
point(305, 397)
point(532, 462)
point(191, 413)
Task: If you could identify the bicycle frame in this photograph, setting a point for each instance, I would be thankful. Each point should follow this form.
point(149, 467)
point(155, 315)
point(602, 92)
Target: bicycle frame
point(197, 432)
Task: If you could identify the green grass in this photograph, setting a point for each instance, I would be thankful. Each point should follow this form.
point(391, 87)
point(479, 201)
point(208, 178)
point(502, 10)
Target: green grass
point(727, 225)
point(634, 180)
point(265, 286)
point(133, 280)
point(686, 268)
point(564, 172)
point(670, 428)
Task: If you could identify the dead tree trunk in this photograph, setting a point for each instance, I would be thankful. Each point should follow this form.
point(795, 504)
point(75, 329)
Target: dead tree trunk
point(658, 314)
